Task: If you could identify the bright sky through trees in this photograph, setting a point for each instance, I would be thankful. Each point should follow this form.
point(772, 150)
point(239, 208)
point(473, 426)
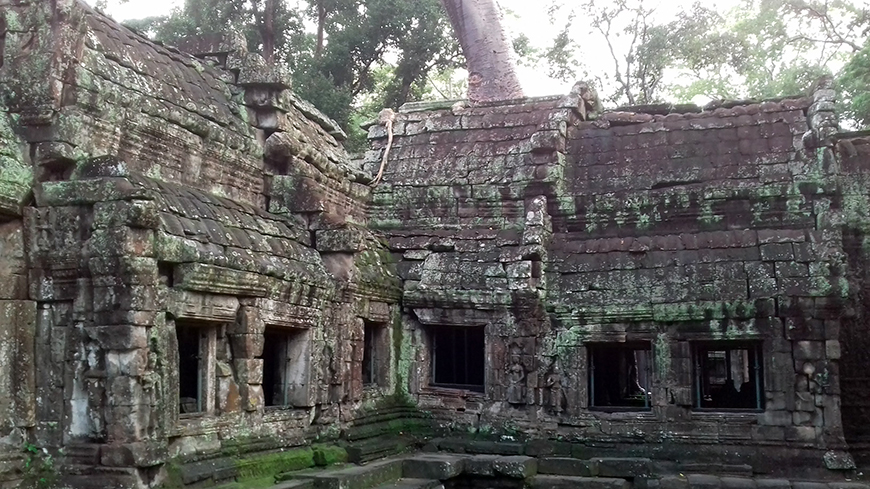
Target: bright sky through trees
point(522, 17)
point(634, 52)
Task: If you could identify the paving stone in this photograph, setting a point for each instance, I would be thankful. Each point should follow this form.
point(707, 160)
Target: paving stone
point(357, 477)
point(565, 482)
point(480, 465)
point(495, 448)
point(517, 467)
point(297, 484)
point(674, 482)
point(704, 481)
point(737, 483)
point(772, 484)
point(413, 484)
point(648, 483)
point(568, 466)
point(433, 466)
point(623, 467)
point(808, 485)
point(548, 448)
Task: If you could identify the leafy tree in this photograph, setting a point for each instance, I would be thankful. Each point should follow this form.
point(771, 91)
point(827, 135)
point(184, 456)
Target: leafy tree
point(333, 64)
point(761, 48)
point(854, 84)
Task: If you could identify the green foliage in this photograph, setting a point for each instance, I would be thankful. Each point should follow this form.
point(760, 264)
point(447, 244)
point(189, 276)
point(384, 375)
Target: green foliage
point(39, 469)
point(758, 49)
point(854, 84)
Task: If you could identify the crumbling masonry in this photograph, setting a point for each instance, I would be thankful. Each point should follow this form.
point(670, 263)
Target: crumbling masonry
point(193, 273)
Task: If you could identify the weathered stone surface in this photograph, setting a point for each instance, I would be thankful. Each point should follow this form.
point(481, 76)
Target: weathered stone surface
point(432, 466)
point(517, 467)
point(772, 484)
point(564, 482)
point(701, 481)
point(623, 467)
point(568, 466)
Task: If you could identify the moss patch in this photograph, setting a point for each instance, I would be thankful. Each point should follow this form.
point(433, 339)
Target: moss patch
point(275, 463)
point(329, 455)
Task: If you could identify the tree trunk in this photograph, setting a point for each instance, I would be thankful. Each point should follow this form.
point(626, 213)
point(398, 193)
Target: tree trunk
point(491, 74)
point(321, 21)
point(268, 31)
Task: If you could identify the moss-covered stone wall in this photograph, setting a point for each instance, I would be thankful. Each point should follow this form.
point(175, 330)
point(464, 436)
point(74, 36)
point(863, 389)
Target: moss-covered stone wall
point(561, 228)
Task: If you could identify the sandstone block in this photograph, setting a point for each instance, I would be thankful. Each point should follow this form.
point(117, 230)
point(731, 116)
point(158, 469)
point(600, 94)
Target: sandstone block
point(517, 467)
point(121, 337)
point(433, 466)
point(568, 466)
point(623, 467)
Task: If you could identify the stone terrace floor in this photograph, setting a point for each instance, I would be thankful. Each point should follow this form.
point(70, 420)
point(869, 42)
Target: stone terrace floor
point(455, 471)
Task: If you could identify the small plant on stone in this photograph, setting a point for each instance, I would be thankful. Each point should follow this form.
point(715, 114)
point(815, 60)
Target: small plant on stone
point(39, 470)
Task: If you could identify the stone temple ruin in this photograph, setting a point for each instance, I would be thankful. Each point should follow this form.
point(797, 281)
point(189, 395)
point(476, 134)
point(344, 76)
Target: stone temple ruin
point(197, 284)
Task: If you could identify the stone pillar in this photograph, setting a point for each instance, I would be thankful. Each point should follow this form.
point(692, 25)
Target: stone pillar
point(246, 340)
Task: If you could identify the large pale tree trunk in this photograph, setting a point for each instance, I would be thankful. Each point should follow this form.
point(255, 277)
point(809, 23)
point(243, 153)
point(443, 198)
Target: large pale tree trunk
point(267, 31)
point(491, 74)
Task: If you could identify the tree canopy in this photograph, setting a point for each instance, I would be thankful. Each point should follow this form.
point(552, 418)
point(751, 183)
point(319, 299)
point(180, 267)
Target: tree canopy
point(756, 49)
point(353, 57)
point(350, 58)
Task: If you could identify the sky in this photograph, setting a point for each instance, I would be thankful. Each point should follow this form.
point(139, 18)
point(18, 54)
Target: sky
point(532, 21)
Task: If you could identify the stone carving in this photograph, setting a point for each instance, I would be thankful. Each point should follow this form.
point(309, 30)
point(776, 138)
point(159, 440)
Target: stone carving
point(554, 395)
point(516, 393)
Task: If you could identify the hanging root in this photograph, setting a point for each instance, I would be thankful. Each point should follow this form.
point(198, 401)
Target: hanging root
point(386, 117)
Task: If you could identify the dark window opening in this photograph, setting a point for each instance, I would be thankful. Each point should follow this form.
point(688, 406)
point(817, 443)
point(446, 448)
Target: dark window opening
point(728, 376)
point(190, 369)
point(458, 356)
point(285, 364)
point(620, 376)
point(370, 357)
point(3, 31)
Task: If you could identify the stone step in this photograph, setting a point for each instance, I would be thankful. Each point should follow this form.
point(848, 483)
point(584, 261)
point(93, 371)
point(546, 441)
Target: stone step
point(354, 477)
point(567, 466)
point(82, 454)
point(433, 466)
point(300, 484)
point(628, 467)
point(708, 481)
point(744, 470)
point(568, 482)
point(90, 477)
point(491, 447)
point(293, 484)
point(413, 484)
point(377, 448)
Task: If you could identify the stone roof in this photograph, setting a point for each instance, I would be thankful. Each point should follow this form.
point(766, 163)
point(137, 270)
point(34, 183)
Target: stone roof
point(186, 90)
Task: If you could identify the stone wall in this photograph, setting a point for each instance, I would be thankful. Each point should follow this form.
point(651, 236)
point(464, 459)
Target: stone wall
point(679, 231)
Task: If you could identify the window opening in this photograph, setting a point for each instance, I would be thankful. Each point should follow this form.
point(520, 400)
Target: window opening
point(193, 367)
point(370, 354)
point(620, 376)
point(458, 356)
point(728, 376)
point(285, 367)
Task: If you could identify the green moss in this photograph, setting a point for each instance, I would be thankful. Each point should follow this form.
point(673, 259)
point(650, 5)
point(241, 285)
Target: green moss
point(16, 174)
point(274, 463)
point(662, 356)
point(329, 455)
